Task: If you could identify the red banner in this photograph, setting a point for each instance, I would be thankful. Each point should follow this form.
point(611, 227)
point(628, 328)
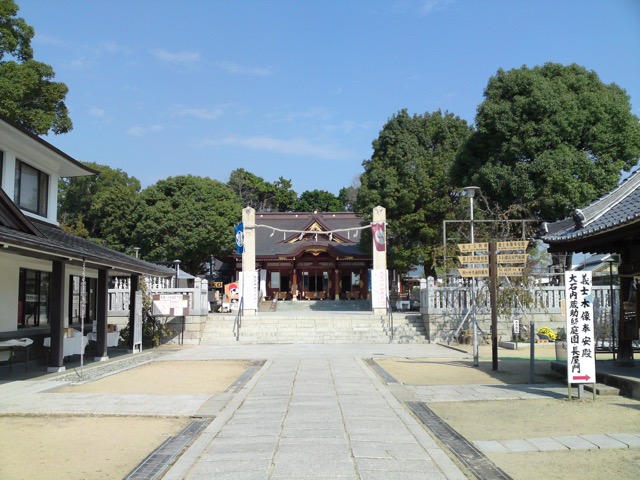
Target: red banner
point(379, 237)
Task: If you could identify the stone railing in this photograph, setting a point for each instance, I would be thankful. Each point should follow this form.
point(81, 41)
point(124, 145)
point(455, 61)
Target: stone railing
point(445, 310)
point(546, 299)
point(118, 297)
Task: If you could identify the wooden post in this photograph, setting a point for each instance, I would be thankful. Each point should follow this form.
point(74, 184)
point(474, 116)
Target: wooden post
point(493, 293)
point(56, 317)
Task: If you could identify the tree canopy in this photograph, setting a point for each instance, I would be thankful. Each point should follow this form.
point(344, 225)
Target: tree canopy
point(28, 94)
point(552, 138)
point(320, 200)
point(187, 218)
point(254, 191)
point(104, 208)
point(408, 174)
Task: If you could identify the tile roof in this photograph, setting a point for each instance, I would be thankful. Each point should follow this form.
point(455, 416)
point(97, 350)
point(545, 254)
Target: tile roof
point(42, 239)
point(277, 233)
point(619, 208)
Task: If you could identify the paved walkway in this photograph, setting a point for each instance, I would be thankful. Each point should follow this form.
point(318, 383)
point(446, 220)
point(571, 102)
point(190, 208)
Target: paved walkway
point(311, 411)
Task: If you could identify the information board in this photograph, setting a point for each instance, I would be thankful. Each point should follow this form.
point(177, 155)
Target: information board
point(581, 358)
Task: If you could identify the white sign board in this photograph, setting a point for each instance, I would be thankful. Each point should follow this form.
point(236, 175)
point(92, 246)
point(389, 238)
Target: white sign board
point(249, 283)
point(581, 345)
point(379, 288)
point(170, 305)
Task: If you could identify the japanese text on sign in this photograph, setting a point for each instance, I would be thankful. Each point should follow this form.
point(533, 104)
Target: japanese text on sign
point(581, 360)
point(473, 247)
point(513, 245)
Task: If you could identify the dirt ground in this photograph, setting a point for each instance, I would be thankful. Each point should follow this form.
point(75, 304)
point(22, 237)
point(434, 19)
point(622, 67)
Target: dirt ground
point(99, 447)
point(106, 447)
point(503, 420)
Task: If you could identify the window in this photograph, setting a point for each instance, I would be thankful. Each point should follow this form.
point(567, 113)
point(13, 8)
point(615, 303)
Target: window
point(31, 189)
point(1, 166)
point(33, 298)
point(75, 305)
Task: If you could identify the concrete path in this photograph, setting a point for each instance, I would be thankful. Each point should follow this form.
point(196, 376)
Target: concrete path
point(314, 418)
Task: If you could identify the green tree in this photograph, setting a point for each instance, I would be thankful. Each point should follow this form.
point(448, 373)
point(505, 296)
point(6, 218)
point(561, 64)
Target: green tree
point(319, 200)
point(187, 218)
point(408, 174)
point(105, 206)
point(254, 191)
point(28, 94)
point(349, 195)
point(551, 138)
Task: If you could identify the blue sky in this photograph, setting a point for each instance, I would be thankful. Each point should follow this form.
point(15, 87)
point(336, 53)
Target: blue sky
point(298, 89)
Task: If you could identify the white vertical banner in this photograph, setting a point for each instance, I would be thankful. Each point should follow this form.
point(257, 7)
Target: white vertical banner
point(581, 345)
point(379, 288)
point(263, 283)
point(249, 284)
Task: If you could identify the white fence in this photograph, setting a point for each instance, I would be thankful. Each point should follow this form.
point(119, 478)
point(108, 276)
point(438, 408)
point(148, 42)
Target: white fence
point(118, 297)
point(445, 309)
point(546, 299)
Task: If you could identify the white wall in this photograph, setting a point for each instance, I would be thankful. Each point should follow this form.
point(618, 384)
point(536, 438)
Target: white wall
point(8, 182)
point(9, 283)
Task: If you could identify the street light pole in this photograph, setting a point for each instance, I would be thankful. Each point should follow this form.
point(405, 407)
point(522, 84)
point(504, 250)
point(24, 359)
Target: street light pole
point(471, 193)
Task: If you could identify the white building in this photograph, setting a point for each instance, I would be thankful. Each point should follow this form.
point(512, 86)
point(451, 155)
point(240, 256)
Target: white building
point(41, 266)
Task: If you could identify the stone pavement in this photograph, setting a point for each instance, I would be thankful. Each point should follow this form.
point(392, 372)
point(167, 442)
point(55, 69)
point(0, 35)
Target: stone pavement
point(307, 412)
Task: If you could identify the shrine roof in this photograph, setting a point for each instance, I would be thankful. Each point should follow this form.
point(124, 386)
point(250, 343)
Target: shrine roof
point(614, 211)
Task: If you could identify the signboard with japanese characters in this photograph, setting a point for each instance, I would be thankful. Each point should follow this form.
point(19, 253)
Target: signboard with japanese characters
point(379, 288)
point(170, 305)
point(473, 247)
point(581, 359)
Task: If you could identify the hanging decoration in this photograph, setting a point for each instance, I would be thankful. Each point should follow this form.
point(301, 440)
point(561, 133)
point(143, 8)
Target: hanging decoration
point(239, 233)
point(379, 237)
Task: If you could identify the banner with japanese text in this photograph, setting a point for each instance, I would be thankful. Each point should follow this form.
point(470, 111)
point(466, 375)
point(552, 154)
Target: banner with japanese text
point(379, 288)
point(581, 345)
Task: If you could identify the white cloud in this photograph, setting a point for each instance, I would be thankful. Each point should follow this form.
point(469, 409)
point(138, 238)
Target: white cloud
point(202, 113)
point(96, 112)
point(294, 146)
point(244, 70)
point(139, 131)
point(315, 113)
point(177, 58)
point(429, 6)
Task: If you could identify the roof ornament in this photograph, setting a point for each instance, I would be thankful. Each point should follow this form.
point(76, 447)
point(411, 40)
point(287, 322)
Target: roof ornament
point(578, 218)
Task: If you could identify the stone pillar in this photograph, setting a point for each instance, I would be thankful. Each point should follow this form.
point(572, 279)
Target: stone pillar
point(336, 285)
point(102, 313)
point(249, 277)
point(380, 256)
point(379, 275)
point(56, 317)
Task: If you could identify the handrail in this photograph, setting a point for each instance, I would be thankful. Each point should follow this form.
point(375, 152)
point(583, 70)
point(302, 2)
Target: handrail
point(237, 322)
point(390, 315)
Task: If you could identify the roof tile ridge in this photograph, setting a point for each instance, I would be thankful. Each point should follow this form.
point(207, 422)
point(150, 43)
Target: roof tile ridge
point(618, 194)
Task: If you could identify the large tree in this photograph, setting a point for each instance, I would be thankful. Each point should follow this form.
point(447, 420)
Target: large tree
point(408, 174)
point(104, 207)
point(254, 191)
point(552, 138)
point(318, 200)
point(28, 94)
point(187, 218)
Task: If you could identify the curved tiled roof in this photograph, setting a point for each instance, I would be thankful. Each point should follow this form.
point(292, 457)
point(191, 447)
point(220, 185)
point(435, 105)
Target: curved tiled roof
point(617, 209)
point(277, 233)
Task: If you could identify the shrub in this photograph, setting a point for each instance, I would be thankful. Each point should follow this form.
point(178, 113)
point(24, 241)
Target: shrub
point(548, 332)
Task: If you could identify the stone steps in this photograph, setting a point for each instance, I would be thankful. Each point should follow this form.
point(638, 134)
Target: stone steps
point(320, 327)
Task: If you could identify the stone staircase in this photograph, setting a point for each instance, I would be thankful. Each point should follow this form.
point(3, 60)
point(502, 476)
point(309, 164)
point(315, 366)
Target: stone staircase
point(312, 322)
